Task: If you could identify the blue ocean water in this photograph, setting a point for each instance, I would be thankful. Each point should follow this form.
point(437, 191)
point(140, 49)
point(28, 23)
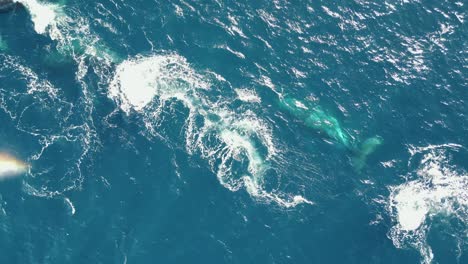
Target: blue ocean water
point(210, 131)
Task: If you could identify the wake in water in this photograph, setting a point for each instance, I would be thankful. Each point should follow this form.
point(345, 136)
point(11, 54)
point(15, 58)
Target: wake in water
point(73, 36)
point(239, 147)
point(72, 127)
point(438, 190)
point(60, 132)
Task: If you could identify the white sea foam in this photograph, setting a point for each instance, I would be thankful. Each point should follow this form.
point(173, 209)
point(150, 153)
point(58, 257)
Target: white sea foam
point(248, 95)
point(43, 14)
point(237, 146)
point(439, 189)
point(47, 139)
point(73, 36)
point(70, 204)
point(67, 128)
point(138, 81)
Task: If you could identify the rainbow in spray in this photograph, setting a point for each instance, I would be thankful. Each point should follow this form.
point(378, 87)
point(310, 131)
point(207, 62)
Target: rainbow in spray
point(10, 166)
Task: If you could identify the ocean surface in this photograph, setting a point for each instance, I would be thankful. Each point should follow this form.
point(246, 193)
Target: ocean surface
point(219, 131)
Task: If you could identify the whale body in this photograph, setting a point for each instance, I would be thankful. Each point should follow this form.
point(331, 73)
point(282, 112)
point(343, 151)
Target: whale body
point(316, 118)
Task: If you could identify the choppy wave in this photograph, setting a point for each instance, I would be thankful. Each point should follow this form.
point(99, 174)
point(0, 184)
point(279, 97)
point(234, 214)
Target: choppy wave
point(437, 189)
point(239, 147)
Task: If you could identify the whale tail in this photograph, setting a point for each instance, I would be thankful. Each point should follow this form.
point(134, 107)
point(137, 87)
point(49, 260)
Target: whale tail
point(364, 150)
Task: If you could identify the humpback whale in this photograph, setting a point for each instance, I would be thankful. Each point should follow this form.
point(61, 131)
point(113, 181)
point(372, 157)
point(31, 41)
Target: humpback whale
point(316, 118)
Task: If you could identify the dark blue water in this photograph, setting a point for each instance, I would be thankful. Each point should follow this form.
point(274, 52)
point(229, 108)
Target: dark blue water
point(234, 132)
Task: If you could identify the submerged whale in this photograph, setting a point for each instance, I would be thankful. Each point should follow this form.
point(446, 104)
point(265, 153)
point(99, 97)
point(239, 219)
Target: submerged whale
point(316, 118)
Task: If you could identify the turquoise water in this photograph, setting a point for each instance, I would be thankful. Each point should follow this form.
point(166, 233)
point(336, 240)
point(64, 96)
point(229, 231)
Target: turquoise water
point(234, 132)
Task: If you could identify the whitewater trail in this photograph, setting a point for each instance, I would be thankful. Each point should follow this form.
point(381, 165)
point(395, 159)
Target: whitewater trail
point(73, 39)
point(232, 144)
point(73, 36)
point(238, 147)
point(29, 101)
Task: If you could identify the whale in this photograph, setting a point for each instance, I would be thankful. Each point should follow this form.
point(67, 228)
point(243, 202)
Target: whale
point(318, 119)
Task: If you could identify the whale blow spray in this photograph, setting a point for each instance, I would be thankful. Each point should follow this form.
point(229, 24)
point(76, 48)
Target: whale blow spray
point(10, 166)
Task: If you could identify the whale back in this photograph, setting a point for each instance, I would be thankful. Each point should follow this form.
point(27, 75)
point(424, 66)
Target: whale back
point(316, 118)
